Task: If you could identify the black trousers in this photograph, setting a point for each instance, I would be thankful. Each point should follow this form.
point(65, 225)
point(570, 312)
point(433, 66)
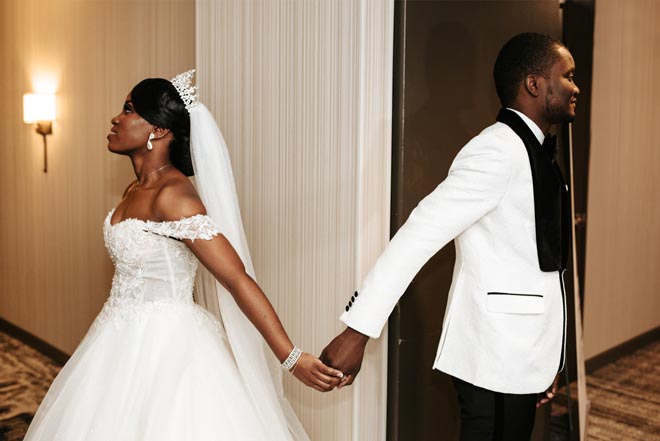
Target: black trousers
point(494, 416)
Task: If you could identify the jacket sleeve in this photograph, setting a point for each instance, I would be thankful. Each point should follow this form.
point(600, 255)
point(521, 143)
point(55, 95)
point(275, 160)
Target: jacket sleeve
point(477, 180)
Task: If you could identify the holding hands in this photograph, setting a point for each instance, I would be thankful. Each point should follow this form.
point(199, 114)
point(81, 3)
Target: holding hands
point(312, 372)
point(346, 352)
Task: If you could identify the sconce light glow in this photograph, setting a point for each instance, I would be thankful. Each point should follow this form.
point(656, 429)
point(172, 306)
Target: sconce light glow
point(38, 107)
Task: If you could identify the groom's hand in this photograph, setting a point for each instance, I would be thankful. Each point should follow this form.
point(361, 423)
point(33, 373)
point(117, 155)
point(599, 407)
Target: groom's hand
point(549, 394)
point(345, 353)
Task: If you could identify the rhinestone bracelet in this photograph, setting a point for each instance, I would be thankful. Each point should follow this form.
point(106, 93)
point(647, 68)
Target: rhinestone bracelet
point(292, 359)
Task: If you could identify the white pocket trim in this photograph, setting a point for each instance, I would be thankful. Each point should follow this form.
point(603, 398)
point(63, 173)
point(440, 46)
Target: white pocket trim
point(515, 303)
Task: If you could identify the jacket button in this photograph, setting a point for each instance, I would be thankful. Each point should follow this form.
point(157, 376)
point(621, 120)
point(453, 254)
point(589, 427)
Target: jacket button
point(347, 308)
point(352, 298)
point(356, 294)
point(350, 303)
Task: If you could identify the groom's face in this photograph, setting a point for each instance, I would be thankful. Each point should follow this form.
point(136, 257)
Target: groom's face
point(561, 90)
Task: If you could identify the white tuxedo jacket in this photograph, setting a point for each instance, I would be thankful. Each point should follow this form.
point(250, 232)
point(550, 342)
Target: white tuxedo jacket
point(504, 322)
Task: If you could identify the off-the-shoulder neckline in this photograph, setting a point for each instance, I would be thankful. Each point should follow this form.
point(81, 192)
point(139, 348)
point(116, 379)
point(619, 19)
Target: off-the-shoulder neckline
point(145, 221)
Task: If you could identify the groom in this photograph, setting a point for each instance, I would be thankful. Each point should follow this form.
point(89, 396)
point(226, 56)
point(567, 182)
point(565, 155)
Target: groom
point(505, 204)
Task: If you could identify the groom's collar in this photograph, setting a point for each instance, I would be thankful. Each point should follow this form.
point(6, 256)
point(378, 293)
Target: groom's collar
point(551, 203)
point(538, 133)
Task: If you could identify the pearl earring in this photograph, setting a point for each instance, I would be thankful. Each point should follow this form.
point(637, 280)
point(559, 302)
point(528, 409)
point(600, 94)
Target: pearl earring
point(150, 146)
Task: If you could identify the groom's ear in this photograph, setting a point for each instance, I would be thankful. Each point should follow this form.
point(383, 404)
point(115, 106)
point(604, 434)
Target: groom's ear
point(531, 85)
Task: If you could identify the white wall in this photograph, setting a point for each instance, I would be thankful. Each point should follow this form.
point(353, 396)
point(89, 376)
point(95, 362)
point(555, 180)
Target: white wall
point(302, 90)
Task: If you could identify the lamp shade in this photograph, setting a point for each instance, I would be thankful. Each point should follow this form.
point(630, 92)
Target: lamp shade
point(38, 107)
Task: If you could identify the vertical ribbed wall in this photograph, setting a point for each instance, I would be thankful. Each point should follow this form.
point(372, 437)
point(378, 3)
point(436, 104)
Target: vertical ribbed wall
point(302, 91)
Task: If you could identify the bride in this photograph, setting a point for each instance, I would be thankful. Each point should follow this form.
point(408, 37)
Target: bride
point(155, 365)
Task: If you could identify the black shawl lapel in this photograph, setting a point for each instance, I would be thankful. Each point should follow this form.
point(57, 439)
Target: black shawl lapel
point(551, 204)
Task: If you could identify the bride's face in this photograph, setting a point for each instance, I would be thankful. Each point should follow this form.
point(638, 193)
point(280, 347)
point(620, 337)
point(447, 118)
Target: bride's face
point(129, 131)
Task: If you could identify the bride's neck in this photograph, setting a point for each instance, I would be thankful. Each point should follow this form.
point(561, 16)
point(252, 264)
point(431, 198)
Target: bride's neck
point(144, 165)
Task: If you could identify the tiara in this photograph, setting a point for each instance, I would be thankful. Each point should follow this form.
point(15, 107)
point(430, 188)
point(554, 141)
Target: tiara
point(187, 92)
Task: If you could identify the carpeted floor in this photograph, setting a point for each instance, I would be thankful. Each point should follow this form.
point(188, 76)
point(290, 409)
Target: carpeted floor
point(624, 395)
point(25, 375)
point(624, 398)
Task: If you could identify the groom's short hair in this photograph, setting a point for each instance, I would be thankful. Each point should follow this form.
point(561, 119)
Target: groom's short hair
point(525, 54)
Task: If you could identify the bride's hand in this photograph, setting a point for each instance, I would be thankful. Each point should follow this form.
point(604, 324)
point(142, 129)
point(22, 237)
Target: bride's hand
point(312, 372)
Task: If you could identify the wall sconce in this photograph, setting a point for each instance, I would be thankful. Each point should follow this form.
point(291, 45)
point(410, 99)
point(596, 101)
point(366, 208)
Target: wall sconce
point(40, 109)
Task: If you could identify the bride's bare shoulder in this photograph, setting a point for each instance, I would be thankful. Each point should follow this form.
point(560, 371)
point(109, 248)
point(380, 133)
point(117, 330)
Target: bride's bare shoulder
point(178, 199)
point(129, 188)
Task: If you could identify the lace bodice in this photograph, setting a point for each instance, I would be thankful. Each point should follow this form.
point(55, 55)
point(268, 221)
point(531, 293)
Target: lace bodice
point(151, 264)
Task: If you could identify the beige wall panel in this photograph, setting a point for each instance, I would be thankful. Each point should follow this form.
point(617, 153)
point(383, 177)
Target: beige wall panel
point(302, 91)
point(54, 271)
point(622, 280)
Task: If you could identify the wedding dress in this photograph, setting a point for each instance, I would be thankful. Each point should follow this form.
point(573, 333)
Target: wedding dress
point(154, 365)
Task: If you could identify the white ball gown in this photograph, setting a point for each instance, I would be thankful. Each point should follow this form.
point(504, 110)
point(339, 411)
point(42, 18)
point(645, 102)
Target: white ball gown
point(154, 365)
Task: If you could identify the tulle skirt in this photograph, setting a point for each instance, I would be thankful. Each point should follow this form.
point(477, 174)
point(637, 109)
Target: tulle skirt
point(149, 372)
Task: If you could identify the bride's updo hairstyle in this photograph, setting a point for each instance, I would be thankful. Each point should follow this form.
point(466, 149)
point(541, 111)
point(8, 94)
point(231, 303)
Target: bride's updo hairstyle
point(158, 102)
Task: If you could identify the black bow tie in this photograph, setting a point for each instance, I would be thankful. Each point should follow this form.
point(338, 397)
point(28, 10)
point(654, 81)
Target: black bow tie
point(549, 146)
